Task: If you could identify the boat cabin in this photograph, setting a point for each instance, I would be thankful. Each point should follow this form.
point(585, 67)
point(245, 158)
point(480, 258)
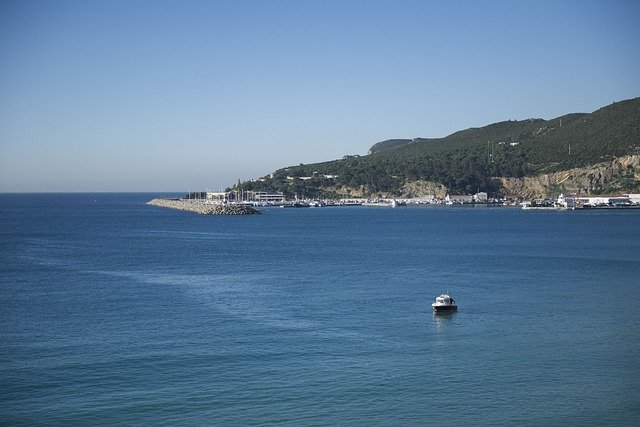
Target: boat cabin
point(444, 302)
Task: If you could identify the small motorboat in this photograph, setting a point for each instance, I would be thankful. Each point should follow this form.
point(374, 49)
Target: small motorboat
point(444, 303)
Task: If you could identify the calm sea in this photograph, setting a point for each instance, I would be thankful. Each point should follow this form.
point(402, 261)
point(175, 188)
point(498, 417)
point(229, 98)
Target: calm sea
point(113, 312)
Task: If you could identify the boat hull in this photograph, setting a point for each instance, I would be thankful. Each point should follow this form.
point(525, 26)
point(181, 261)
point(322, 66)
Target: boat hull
point(444, 308)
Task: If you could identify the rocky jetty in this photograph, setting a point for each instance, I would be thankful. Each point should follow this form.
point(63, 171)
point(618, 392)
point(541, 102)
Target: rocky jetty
point(202, 207)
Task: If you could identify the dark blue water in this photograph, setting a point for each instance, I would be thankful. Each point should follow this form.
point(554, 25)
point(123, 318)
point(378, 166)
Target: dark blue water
point(113, 312)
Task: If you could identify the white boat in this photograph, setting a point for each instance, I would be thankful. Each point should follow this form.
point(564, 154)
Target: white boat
point(444, 303)
point(541, 206)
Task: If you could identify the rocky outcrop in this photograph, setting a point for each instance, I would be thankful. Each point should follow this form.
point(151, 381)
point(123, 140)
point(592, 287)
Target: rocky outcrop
point(202, 207)
point(347, 192)
point(619, 175)
point(423, 188)
point(409, 190)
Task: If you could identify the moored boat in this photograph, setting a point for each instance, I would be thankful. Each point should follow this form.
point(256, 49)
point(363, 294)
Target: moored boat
point(444, 302)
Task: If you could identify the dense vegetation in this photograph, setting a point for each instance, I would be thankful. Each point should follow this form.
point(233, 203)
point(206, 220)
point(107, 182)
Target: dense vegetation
point(387, 145)
point(470, 160)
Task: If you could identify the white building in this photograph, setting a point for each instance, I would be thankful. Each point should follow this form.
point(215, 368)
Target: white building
point(572, 202)
point(264, 197)
point(430, 198)
point(634, 198)
point(458, 199)
point(221, 197)
point(481, 197)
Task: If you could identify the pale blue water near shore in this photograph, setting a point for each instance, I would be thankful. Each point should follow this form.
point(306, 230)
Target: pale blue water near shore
point(113, 312)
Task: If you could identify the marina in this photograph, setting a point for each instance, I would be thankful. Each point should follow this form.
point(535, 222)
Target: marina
point(229, 204)
point(561, 202)
point(572, 202)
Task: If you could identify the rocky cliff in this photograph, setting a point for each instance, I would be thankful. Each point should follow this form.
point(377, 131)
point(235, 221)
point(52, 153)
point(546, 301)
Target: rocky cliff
point(617, 176)
point(621, 175)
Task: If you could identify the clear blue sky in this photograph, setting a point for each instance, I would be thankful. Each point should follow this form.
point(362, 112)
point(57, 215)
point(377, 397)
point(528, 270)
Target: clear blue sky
point(169, 95)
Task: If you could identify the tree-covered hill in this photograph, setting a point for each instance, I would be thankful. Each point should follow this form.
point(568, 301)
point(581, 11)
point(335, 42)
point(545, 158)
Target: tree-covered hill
point(470, 160)
point(387, 145)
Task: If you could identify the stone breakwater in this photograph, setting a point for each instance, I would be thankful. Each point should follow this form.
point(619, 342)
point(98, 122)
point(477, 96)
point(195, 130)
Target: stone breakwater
point(203, 208)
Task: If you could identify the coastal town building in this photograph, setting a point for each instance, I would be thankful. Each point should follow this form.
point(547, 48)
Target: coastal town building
point(246, 196)
point(306, 178)
point(457, 198)
point(221, 197)
point(263, 197)
point(571, 201)
point(480, 197)
point(430, 198)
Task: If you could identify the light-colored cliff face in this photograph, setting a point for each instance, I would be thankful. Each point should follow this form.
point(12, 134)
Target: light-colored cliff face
point(621, 174)
point(409, 190)
point(423, 188)
point(346, 191)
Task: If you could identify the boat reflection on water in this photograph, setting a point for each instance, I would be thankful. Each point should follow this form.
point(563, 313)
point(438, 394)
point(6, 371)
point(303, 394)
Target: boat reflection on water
point(443, 319)
point(444, 314)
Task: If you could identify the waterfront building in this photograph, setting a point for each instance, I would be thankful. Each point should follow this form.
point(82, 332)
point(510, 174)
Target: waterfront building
point(634, 198)
point(481, 197)
point(250, 196)
point(429, 198)
point(264, 197)
point(458, 198)
point(221, 197)
point(572, 202)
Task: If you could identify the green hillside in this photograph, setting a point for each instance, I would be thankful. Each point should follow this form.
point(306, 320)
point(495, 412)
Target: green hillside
point(470, 160)
point(387, 145)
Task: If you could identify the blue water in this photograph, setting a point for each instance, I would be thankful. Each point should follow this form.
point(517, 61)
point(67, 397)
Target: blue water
point(114, 312)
